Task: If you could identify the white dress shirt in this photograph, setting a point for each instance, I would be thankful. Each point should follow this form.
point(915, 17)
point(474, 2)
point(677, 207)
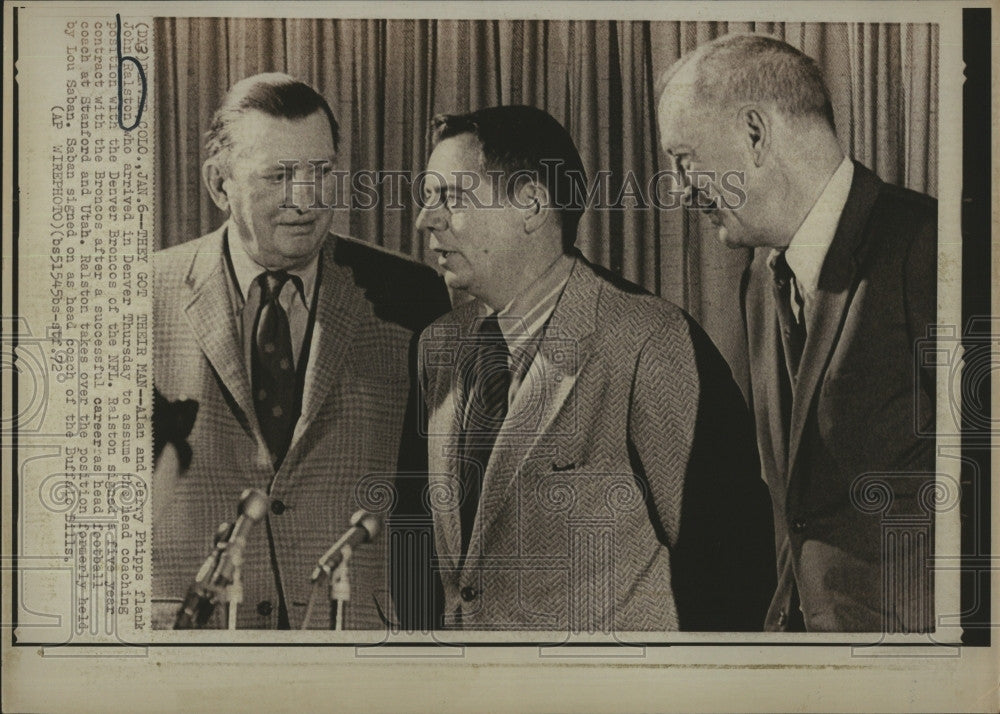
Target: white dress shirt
point(523, 319)
point(247, 298)
point(807, 250)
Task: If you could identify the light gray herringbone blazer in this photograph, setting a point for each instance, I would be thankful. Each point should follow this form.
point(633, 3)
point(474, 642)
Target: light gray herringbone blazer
point(346, 439)
point(623, 492)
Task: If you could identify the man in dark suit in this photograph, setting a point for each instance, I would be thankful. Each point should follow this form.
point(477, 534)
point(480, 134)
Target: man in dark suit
point(294, 346)
point(592, 463)
point(841, 287)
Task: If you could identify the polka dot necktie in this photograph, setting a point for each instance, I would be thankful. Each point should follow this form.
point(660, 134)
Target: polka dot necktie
point(487, 380)
point(273, 366)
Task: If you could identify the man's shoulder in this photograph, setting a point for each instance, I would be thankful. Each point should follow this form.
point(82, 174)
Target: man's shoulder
point(627, 311)
point(908, 200)
point(364, 257)
point(904, 212)
point(631, 324)
point(210, 241)
point(894, 210)
point(905, 217)
point(454, 322)
point(400, 289)
point(181, 263)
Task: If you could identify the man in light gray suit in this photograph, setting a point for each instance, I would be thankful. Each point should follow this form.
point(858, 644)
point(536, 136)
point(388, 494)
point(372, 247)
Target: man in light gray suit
point(294, 344)
point(592, 463)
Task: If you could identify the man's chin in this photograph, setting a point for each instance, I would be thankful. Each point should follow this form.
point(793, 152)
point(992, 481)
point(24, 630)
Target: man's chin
point(294, 260)
point(727, 239)
point(723, 235)
point(454, 281)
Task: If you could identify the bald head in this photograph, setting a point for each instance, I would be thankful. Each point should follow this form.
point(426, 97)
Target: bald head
point(747, 68)
point(752, 112)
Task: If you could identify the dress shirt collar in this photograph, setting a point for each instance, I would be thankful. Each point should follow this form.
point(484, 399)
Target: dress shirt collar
point(247, 270)
point(525, 315)
point(807, 250)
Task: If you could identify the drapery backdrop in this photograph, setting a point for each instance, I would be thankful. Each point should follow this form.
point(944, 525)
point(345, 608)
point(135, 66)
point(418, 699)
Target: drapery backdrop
point(385, 79)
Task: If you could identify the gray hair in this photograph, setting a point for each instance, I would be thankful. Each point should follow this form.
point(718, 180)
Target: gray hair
point(273, 93)
point(757, 68)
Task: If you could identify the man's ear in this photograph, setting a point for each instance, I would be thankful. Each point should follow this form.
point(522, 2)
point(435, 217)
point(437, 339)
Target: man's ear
point(757, 130)
point(533, 199)
point(214, 178)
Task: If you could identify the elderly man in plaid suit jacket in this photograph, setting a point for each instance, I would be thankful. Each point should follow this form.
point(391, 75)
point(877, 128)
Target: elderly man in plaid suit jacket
point(295, 345)
point(592, 462)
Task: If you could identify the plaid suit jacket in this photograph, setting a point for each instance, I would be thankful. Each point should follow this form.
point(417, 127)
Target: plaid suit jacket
point(623, 492)
point(346, 444)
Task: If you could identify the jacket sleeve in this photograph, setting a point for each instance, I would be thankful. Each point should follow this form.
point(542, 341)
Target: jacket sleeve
point(416, 587)
point(920, 295)
point(695, 451)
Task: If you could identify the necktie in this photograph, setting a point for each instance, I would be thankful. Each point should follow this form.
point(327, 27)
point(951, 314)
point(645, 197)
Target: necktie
point(793, 331)
point(273, 366)
point(487, 380)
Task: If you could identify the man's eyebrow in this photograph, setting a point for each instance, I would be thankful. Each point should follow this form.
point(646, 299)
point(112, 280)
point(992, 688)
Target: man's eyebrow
point(439, 186)
point(292, 163)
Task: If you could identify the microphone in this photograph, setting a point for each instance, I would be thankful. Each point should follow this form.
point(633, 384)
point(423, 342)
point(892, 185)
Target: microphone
point(253, 507)
point(218, 570)
point(365, 527)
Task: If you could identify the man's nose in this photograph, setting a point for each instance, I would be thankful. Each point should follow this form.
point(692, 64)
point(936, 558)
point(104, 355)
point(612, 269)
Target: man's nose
point(430, 218)
point(682, 185)
point(308, 187)
point(690, 195)
point(702, 198)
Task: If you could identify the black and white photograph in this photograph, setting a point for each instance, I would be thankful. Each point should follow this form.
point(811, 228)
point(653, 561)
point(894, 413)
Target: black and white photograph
point(534, 342)
point(610, 204)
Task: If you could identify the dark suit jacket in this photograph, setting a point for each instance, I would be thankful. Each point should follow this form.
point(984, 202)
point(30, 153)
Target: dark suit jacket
point(623, 490)
point(852, 467)
point(346, 446)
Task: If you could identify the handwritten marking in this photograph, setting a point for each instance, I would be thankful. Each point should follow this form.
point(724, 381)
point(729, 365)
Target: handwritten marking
point(121, 81)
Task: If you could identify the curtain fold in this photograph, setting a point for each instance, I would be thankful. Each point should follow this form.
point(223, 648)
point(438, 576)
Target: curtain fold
point(385, 79)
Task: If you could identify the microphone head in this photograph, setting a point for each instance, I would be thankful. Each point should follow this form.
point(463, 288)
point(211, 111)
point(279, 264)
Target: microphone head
point(253, 504)
point(371, 523)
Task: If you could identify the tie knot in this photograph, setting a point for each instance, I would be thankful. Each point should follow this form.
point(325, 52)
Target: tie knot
point(273, 281)
point(782, 271)
point(489, 332)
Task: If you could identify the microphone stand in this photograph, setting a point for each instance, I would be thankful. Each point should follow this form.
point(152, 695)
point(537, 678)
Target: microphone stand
point(333, 566)
point(219, 579)
point(340, 591)
point(232, 594)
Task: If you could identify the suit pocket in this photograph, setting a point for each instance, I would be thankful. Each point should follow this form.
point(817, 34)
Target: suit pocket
point(559, 488)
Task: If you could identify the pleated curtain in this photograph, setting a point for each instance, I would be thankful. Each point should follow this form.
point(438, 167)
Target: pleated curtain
point(385, 79)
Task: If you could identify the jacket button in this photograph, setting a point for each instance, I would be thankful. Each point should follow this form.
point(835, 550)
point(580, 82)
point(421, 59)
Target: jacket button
point(264, 608)
point(469, 593)
point(277, 507)
point(798, 525)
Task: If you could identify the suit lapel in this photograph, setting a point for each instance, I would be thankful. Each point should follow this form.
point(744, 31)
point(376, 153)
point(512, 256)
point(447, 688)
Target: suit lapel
point(778, 410)
point(445, 407)
point(333, 331)
point(564, 349)
point(837, 284)
point(210, 315)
